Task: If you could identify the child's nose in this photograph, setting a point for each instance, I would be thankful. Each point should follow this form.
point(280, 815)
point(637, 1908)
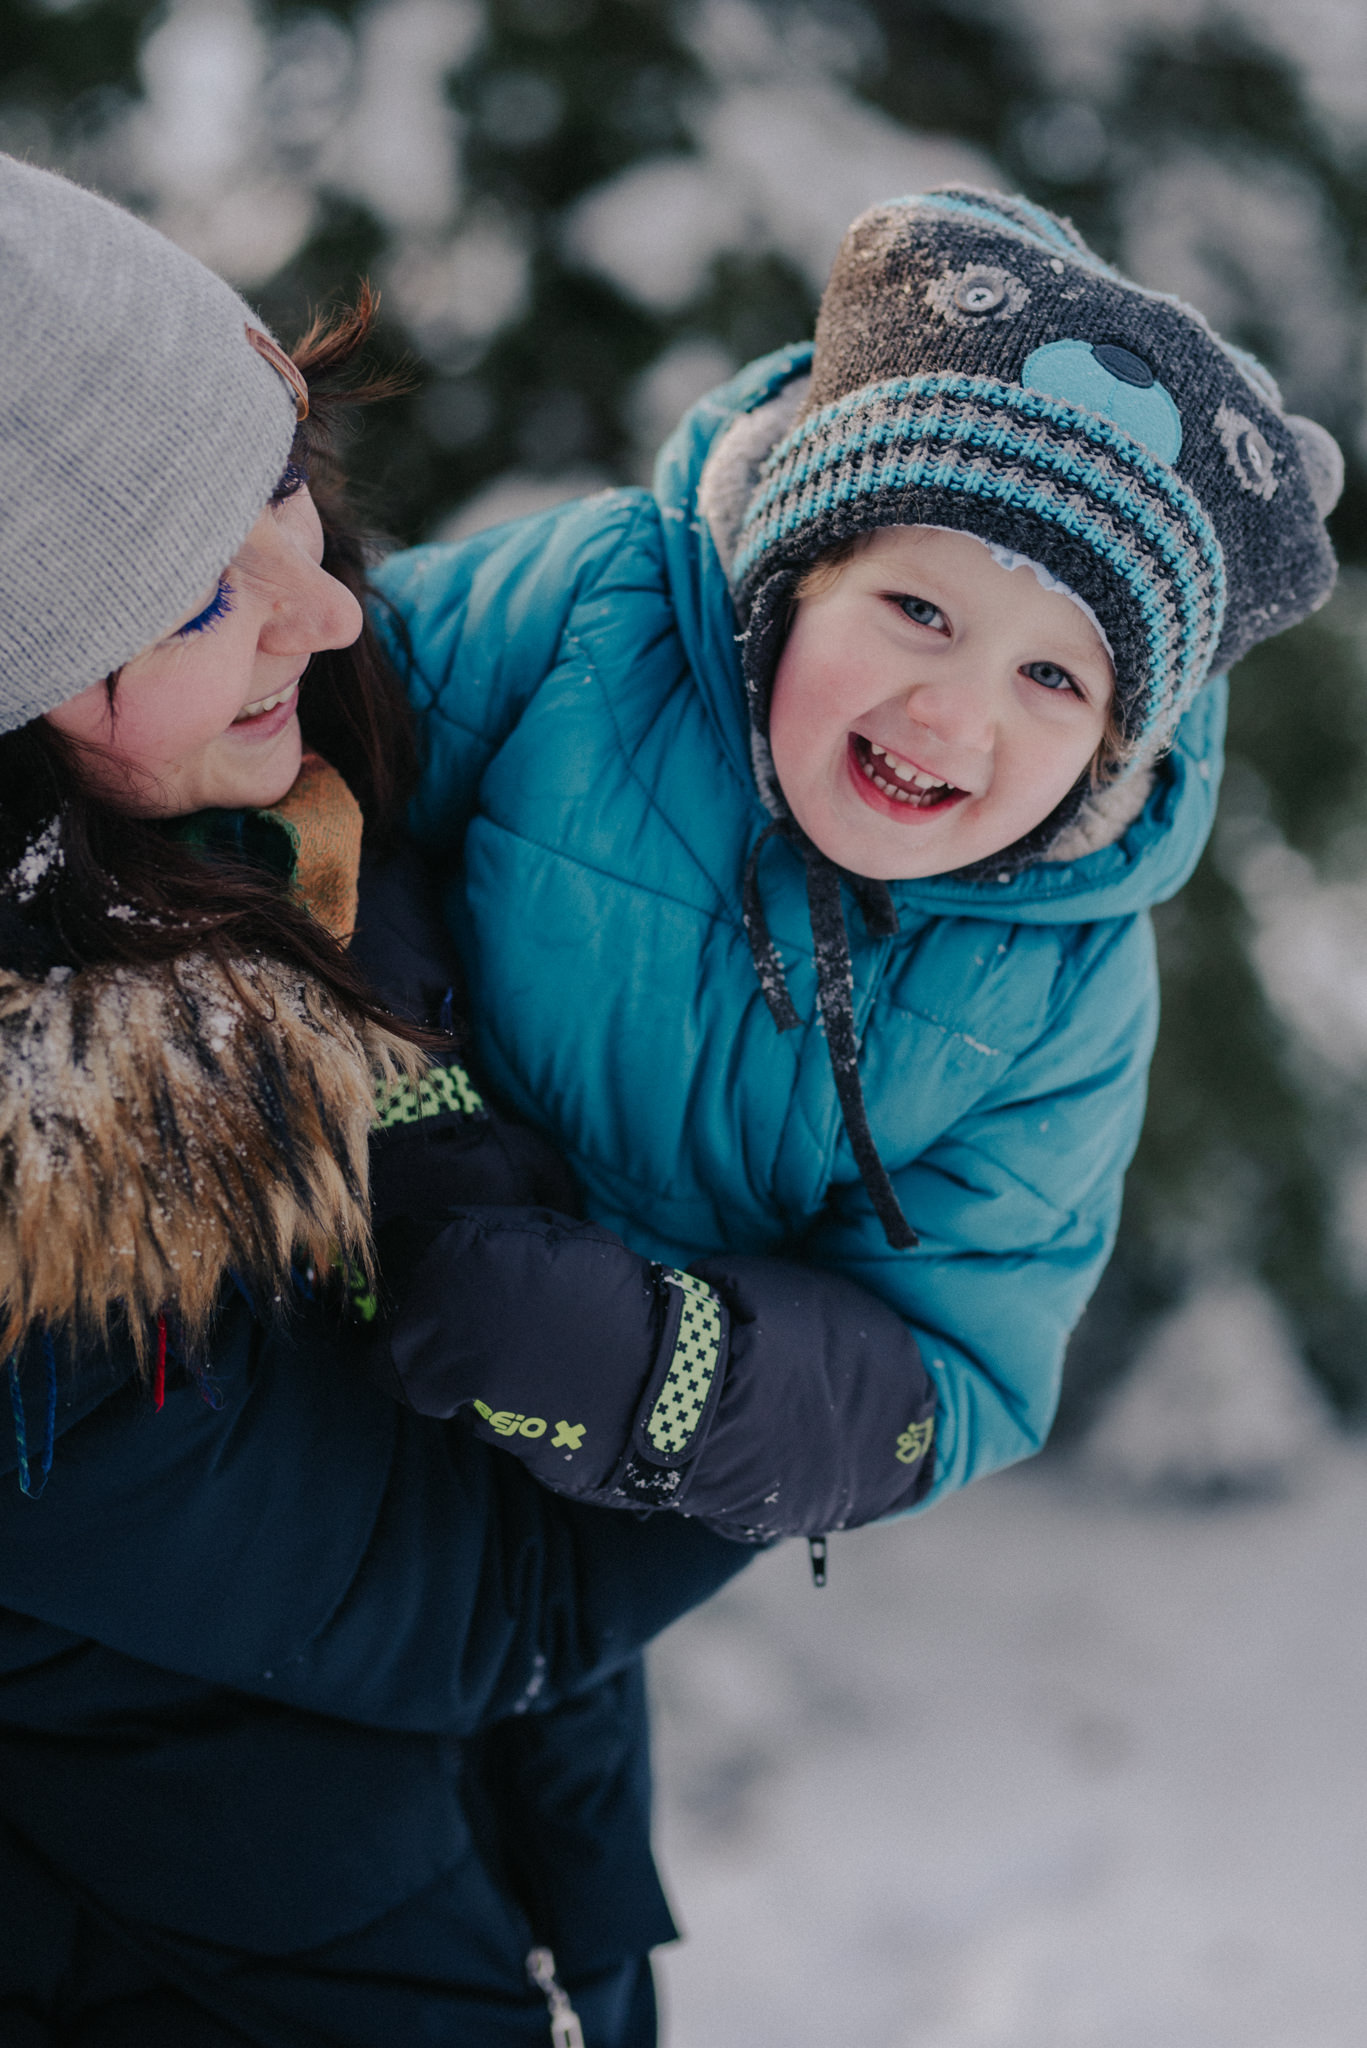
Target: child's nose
point(955, 710)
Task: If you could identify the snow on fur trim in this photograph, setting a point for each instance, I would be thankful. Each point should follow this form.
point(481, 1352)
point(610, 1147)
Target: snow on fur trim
point(163, 1127)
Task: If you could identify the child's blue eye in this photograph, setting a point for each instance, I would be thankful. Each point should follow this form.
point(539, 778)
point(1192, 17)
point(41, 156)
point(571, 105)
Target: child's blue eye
point(218, 607)
point(921, 611)
point(1050, 675)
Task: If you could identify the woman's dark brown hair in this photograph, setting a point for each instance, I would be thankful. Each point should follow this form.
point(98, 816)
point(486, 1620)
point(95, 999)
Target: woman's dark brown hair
point(114, 888)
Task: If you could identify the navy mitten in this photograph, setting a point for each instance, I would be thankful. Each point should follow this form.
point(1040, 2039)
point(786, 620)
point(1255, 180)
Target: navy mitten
point(760, 1397)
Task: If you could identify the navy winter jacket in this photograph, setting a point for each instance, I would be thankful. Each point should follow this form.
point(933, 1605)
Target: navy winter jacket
point(314, 1712)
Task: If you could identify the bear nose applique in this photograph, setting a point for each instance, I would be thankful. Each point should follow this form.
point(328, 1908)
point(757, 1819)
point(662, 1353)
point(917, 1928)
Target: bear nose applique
point(1107, 378)
point(1123, 363)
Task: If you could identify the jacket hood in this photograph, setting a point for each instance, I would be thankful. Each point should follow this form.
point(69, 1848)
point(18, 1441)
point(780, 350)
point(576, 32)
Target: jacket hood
point(1114, 863)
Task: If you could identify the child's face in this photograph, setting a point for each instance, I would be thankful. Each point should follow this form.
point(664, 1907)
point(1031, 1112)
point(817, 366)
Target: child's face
point(931, 707)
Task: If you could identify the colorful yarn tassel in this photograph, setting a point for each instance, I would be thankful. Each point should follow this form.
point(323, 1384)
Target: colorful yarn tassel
point(27, 1482)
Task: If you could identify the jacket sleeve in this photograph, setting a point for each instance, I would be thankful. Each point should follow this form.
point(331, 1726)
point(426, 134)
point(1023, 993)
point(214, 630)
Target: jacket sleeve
point(475, 628)
point(307, 1540)
point(1016, 1207)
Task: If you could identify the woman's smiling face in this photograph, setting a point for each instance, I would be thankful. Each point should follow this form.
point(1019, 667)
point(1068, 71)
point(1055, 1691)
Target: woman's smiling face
point(208, 715)
point(931, 707)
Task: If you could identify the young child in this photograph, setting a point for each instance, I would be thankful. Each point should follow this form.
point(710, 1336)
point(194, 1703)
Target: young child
point(800, 820)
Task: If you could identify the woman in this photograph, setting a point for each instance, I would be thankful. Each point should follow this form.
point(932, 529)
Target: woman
point(317, 1715)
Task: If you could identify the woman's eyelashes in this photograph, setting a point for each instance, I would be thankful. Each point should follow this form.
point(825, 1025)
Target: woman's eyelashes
point(218, 607)
point(294, 479)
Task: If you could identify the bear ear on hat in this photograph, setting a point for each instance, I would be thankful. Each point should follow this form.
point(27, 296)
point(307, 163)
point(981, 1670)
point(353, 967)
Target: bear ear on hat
point(1322, 459)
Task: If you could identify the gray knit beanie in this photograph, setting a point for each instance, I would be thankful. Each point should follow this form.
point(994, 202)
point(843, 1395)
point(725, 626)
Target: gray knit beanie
point(978, 368)
point(141, 433)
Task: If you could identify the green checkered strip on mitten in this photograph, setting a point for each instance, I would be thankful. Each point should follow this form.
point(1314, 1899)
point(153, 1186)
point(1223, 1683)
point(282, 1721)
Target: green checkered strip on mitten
point(438, 1091)
point(682, 1399)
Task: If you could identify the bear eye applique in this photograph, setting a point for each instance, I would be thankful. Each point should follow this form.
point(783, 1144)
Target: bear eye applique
point(982, 292)
point(1107, 378)
point(1247, 451)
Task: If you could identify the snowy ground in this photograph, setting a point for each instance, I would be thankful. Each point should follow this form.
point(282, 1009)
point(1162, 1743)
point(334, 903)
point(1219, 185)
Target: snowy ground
point(1042, 1770)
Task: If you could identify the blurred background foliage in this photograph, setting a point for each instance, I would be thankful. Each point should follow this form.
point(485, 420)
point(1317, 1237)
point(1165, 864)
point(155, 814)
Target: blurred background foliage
point(582, 213)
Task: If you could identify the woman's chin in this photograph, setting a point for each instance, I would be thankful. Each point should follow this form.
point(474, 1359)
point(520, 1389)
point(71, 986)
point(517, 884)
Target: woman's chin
point(252, 776)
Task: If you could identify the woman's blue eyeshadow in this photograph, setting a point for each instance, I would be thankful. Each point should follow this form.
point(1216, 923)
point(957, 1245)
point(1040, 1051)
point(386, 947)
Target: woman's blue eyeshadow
point(218, 607)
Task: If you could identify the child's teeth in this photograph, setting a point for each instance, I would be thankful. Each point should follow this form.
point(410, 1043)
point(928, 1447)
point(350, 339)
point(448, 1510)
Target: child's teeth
point(905, 771)
point(921, 784)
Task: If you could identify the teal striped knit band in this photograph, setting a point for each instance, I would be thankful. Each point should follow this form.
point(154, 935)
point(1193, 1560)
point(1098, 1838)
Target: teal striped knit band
point(977, 367)
point(993, 448)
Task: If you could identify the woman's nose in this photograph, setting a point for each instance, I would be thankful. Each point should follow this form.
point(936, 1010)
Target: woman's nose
point(316, 612)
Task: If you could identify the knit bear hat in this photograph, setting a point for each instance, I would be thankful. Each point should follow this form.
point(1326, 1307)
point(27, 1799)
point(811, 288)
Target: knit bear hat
point(978, 368)
point(143, 432)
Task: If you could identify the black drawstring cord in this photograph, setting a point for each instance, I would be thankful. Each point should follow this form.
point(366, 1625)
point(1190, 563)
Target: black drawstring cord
point(876, 906)
point(834, 988)
point(834, 991)
point(769, 968)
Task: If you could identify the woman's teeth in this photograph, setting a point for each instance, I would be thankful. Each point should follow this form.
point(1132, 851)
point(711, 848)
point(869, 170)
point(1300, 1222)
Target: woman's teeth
point(265, 704)
point(912, 786)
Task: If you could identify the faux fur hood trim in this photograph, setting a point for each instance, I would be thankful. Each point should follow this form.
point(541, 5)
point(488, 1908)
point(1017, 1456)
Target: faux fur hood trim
point(161, 1128)
point(730, 476)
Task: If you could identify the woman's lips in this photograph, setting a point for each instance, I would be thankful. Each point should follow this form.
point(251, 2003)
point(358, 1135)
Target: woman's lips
point(263, 725)
point(889, 794)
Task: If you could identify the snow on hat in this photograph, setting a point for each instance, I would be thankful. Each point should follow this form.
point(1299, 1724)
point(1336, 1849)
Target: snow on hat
point(142, 430)
point(978, 368)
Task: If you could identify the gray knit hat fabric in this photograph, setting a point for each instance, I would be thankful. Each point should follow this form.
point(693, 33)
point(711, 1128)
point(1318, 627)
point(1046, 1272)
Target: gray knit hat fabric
point(141, 434)
point(978, 368)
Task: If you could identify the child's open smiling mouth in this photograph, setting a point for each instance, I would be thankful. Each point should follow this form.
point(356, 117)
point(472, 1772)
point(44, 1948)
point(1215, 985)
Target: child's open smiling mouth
point(894, 786)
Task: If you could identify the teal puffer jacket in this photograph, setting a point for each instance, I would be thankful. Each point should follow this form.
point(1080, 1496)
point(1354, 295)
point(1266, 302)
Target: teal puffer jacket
point(588, 789)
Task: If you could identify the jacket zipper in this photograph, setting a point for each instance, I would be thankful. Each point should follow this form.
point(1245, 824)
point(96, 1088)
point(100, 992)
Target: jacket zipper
point(566, 2031)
